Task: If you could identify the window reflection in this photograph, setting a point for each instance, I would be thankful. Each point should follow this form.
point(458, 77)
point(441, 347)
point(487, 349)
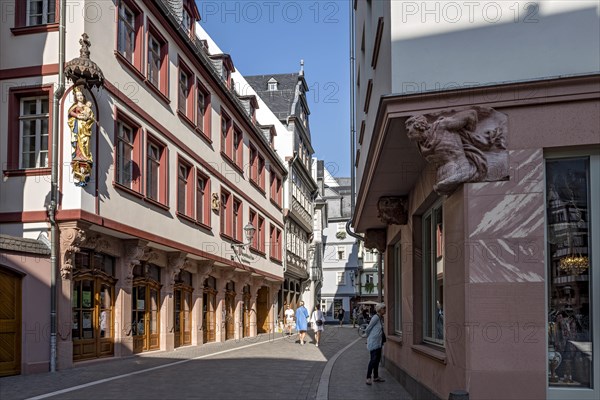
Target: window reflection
point(569, 313)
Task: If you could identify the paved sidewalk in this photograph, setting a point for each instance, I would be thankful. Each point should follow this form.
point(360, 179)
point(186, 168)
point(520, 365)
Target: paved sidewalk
point(267, 367)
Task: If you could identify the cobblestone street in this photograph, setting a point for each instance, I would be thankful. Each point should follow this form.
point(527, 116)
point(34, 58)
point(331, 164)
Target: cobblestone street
point(267, 367)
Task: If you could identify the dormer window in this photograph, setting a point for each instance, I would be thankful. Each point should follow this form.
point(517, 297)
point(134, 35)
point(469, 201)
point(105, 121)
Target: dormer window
point(224, 73)
point(186, 22)
point(272, 85)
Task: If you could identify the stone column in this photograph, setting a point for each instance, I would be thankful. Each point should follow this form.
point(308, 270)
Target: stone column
point(241, 280)
point(220, 308)
point(71, 238)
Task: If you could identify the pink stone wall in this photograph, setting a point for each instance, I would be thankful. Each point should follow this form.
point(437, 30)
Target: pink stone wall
point(35, 310)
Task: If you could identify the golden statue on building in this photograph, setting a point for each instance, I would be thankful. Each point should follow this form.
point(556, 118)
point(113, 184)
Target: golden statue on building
point(81, 120)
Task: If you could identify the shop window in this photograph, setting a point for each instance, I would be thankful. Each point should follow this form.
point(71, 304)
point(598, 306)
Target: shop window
point(182, 309)
point(92, 305)
point(397, 316)
point(145, 308)
point(433, 276)
point(571, 192)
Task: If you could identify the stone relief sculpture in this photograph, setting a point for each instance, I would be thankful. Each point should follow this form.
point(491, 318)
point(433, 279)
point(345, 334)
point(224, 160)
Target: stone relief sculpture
point(465, 146)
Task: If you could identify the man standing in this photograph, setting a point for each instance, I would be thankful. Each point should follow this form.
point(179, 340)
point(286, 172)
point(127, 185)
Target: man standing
point(341, 315)
point(301, 322)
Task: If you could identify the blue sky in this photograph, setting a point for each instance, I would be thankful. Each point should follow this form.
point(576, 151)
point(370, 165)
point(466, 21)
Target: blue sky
point(266, 37)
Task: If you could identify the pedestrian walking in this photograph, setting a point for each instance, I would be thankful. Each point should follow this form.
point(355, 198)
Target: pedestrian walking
point(301, 322)
point(289, 319)
point(317, 319)
point(375, 341)
point(341, 315)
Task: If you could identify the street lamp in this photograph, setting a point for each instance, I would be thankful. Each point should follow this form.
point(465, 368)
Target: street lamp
point(238, 248)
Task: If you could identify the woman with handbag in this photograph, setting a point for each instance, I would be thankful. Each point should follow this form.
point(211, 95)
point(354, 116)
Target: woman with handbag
point(375, 341)
point(317, 318)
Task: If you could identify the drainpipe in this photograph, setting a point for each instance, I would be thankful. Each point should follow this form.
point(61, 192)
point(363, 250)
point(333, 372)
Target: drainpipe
point(54, 242)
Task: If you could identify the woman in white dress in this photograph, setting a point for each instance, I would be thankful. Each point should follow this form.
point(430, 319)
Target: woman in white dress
point(318, 322)
point(289, 319)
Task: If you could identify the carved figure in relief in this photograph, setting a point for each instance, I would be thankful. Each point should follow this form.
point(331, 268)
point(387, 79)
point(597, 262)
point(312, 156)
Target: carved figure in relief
point(461, 149)
point(81, 119)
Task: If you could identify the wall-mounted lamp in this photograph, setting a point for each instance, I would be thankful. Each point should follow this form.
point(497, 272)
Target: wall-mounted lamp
point(239, 248)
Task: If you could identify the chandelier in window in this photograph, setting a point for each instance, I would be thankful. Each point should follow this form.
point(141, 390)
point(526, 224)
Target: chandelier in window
point(573, 263)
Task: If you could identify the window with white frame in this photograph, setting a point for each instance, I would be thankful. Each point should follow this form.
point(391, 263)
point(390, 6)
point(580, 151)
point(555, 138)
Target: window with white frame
point(41, 12)
point(340, 278)
point(369, 278)
point(433, 275)
point(33, 126)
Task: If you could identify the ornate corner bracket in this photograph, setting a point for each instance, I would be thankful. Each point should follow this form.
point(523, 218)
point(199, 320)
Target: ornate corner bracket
point(467, 145)
point(393, 210)
point(137, 251)
point(71, 240)
point(376, 239)
point(176, 262)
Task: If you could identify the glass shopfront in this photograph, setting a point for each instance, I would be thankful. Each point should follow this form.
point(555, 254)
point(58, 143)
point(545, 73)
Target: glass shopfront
point(183, 305)
point(145, 306)
point(92, 305)
point(571, 190)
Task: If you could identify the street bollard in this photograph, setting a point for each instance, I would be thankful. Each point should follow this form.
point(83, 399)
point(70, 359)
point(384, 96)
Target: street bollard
point(458, 395)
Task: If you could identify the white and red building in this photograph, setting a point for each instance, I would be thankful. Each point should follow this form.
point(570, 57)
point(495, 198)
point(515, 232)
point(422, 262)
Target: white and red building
point(181, 165)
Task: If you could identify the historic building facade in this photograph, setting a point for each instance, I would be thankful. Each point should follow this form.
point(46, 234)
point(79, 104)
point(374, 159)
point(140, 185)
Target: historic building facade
point(285, 96)
point(478, 181)
point(160, 167)
point(341, 269)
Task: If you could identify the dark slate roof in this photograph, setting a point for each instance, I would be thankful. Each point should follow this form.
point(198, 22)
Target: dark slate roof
point(18, 244)
point(279, 101)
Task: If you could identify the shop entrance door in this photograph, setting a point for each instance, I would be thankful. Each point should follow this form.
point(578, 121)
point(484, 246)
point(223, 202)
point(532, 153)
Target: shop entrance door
point(262, 310)
point(10, 323)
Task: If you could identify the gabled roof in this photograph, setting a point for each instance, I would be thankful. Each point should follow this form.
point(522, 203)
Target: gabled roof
point(279, 101)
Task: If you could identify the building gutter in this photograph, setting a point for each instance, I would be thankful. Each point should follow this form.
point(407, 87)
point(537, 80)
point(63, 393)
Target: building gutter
point(54, 242)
